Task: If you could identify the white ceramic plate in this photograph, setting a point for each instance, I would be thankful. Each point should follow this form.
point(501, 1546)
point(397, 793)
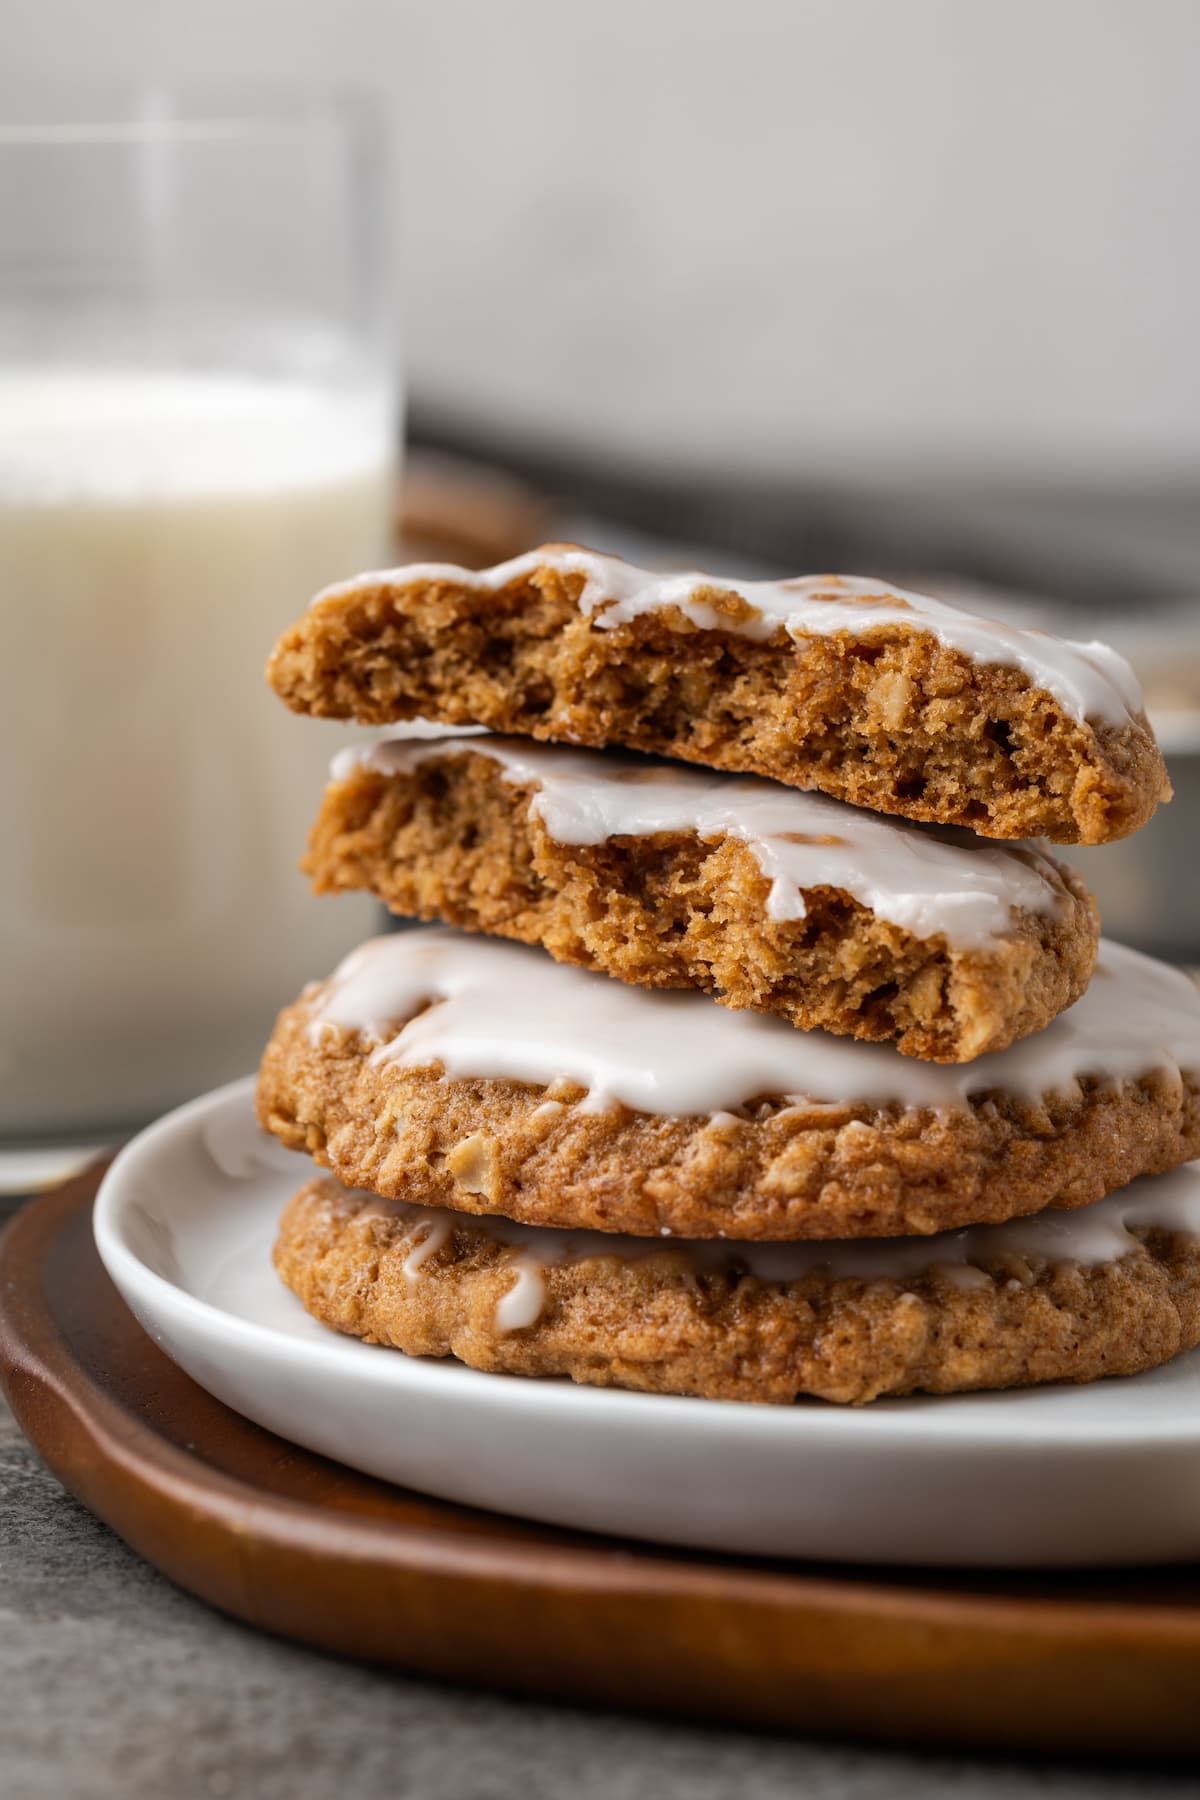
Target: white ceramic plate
point(1102, 1474)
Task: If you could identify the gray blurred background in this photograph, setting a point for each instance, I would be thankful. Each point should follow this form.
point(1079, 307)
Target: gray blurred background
point(943, 240)
point(906, 288)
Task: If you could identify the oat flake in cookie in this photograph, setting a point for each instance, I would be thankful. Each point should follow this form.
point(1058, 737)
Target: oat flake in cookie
point(888, 699)
point(476, 1074)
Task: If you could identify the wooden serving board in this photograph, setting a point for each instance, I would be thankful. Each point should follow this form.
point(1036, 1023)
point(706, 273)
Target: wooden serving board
point(300, 1546)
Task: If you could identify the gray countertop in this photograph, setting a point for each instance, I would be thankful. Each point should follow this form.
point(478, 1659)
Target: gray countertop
point(115, 1683)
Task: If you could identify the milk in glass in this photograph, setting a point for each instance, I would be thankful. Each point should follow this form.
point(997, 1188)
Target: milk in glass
point(157, 531)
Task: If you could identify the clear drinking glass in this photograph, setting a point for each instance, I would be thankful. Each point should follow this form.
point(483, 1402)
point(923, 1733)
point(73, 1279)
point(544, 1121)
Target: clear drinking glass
point(198, 421)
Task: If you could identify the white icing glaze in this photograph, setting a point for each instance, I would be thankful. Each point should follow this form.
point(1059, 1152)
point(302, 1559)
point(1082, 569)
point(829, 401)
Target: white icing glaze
point(523, 1303)
point(1088, 1237)
point(496, 1009)
point(1089, 680)
point(428, 1237)
point(430, 729)
point(923, 878)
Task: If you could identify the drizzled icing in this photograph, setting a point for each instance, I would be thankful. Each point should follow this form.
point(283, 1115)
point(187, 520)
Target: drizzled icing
point(425, 1241)
point(925, 879)
point(489, 1009)
point(1089, 680)
point(1088, 1237)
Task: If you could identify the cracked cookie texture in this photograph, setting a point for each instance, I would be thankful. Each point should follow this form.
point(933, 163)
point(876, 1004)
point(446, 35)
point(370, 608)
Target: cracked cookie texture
point(886, 700)
point(450, 834)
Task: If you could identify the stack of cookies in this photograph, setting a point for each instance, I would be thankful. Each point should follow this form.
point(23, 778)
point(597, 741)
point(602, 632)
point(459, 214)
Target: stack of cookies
point(759, 1052)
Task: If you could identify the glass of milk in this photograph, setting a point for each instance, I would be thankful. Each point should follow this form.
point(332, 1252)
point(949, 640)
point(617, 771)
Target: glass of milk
point(198, 421)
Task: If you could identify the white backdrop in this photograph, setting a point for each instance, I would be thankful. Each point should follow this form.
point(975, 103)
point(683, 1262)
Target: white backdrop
point(865, 237)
